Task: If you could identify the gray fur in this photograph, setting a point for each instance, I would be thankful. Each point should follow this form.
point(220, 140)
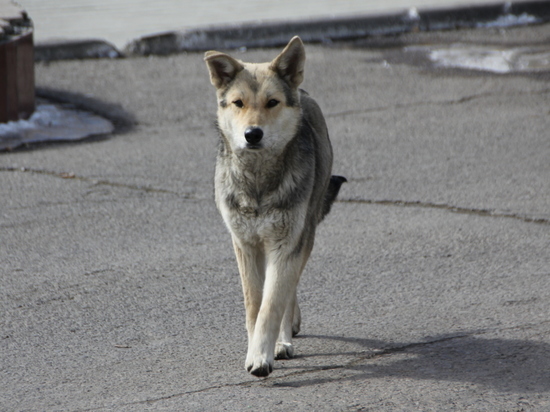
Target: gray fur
point(272, 196)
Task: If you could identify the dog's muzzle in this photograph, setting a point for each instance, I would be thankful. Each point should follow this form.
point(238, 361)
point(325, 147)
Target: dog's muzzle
point(253, 135)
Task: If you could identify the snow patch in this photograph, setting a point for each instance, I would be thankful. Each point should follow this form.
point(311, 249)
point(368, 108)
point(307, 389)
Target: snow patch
point(51, 122)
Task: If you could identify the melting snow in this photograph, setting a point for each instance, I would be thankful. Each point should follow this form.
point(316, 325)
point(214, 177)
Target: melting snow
point(51, 122)
point(493, 59)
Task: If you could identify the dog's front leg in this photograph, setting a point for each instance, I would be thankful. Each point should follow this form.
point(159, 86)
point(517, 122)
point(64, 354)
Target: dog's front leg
point(251, 262)
point(282, 274)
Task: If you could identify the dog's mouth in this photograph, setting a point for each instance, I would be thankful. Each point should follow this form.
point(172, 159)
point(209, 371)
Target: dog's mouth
point(254, 146)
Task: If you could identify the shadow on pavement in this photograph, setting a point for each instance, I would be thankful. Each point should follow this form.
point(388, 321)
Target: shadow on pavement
point(507, 365)
point(121, 119)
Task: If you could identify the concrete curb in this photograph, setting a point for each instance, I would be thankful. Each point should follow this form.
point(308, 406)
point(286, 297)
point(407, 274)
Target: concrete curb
point(322, 31)
point(66, 50)
point(311, 31)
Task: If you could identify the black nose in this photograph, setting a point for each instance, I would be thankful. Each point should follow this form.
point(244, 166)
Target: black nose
point(253, 135)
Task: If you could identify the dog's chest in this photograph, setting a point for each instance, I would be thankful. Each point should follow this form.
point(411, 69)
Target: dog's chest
point(261, 202)
point(252, 221)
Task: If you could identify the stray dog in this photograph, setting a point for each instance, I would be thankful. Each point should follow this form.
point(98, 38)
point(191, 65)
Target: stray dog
point(273, 186)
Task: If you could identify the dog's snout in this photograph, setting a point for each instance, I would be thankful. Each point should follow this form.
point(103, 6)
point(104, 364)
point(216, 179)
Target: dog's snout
point(253, 135)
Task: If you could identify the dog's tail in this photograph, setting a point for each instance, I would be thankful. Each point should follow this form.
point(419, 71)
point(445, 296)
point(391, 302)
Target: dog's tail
point(332, 192)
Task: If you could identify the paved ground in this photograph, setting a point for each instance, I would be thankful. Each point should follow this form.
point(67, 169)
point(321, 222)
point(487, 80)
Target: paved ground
point(428, 288)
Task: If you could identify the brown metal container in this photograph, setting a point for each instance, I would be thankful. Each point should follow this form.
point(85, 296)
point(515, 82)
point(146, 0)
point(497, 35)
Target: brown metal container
point(17, 97)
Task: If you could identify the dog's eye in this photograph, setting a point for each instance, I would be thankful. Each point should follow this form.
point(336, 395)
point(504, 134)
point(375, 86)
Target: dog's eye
point(272, 103)
point(239, 103)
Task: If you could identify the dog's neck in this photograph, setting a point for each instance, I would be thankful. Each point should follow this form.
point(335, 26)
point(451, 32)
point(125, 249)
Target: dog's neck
point(260, 172)
point(262, 180)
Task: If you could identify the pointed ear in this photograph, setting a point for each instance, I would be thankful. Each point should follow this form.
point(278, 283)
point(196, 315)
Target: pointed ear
point(290, 63)
point(223, 68)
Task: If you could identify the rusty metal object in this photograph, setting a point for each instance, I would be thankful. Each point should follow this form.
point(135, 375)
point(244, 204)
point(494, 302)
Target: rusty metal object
point(17, 97)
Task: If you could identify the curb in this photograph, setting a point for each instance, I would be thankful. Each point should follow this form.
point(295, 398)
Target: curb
point(277, 34)
point(66, 50)
point(338, 29)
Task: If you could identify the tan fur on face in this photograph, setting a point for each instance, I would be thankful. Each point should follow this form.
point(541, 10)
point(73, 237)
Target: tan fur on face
point(244, 91)
point(254, 87)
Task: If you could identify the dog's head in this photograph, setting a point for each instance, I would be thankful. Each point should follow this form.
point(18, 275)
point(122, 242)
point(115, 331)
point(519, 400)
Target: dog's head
point(258, 104)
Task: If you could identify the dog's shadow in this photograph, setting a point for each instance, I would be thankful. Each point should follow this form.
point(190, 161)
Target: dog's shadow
point(502, 364)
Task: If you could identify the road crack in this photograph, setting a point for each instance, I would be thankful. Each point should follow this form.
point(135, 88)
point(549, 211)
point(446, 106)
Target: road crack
point(94, 181)
point(461, 100)
point(449, 208)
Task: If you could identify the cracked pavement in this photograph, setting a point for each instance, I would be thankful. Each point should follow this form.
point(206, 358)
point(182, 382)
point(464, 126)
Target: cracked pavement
point(428, 287)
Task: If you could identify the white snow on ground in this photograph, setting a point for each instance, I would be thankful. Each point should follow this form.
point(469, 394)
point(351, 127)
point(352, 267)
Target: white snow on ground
point(491, 58)
point(510, 20)
point(52, 122)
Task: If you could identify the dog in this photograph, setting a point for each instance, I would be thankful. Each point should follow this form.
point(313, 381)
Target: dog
point(273, 186)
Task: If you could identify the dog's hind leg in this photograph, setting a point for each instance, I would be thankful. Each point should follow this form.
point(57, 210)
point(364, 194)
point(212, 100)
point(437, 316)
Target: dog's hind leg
point(297, 319)
point(292, 319)
point(284, 348)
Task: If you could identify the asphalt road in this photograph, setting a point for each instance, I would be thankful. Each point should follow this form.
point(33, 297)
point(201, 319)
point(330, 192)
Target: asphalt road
point(428, 287)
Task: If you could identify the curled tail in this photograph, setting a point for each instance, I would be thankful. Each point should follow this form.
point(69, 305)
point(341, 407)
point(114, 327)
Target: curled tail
point(332, 192)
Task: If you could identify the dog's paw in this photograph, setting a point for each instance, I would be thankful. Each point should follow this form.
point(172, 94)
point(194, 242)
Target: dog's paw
point(284, 350)
point(260, 368)
point(259, 365)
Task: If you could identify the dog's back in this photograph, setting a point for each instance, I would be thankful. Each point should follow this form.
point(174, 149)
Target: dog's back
point(324, 182)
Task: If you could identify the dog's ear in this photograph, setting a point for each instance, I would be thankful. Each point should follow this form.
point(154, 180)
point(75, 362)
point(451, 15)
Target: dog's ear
point(223, 68)
point(290, 63)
